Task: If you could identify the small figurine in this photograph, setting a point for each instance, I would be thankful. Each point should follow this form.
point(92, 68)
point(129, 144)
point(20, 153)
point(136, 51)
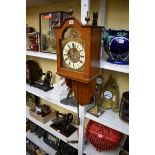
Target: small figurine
point(47, 79)
point(45, 84)
point(69, 100)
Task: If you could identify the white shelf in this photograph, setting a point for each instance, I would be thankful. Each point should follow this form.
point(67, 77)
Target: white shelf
point(112, 120)
point(40, 143)
point(42, 55)
point(45, 95)
point(89, 149)
point(104, 64)
point(47, 127)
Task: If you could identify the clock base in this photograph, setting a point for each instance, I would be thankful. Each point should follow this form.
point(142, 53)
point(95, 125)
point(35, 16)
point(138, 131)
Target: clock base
point(83, 92)
point(71, 101)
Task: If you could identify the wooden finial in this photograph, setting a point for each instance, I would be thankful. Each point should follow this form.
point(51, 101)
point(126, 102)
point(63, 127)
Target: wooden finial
point(71, 11)
point(87, 18)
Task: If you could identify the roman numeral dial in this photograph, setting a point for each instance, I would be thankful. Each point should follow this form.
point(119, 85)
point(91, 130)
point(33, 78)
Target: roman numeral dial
point(74, 55)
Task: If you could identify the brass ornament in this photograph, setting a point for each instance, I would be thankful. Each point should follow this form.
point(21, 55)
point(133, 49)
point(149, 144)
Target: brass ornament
point(110, 95)
point(87, 19)
point(97, 110)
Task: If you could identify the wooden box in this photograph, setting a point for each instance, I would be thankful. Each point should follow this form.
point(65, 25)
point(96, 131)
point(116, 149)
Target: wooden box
point(40, 118)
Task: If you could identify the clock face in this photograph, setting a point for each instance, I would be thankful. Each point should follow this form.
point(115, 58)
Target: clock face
point(74, 55)
point(108, 95)
point(99, 80)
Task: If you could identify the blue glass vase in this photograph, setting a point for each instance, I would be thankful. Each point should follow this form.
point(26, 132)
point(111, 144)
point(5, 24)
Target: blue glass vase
point(116, 45)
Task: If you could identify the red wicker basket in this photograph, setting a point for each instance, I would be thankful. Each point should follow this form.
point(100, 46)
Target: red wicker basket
point(102, 137)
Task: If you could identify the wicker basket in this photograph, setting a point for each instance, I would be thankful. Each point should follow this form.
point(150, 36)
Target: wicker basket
point(102, 137)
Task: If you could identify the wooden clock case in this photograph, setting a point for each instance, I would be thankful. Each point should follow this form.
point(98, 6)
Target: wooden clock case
point(81, 82)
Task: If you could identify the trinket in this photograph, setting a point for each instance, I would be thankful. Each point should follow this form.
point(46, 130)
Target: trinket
point(111, 95)
point(62, 123)
point(116, 45)
point(97, 110)
point(45, 84)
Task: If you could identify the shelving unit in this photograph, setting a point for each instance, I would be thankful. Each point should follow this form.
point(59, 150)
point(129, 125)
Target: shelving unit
point(109, 118)
point(45, 95)
point(112, 120)
point(89, 149)
point(40, 143)
point(47, 127)
point(104, 64)
point(42, 55)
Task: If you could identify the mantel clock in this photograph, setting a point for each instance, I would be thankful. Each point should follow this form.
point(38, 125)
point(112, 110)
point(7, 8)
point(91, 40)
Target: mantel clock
point(78, 57)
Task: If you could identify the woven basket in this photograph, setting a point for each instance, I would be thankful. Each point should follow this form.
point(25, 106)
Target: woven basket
point(102, 137)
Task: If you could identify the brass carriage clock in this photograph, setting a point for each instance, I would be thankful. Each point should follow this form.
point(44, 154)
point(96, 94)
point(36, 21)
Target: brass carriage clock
point(78, 57)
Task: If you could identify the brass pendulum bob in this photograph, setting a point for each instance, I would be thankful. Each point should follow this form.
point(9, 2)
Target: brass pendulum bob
point(87, 19)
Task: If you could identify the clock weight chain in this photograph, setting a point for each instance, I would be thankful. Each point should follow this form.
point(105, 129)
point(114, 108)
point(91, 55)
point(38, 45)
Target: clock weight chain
point(78, 118)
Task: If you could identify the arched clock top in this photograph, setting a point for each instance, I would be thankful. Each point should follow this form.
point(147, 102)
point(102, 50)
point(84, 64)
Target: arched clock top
point(70, 21)
point(71, 32)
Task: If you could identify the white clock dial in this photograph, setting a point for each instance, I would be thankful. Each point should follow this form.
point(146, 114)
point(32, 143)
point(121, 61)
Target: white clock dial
point(99, 80)
point(108, 95)
point(74, 55)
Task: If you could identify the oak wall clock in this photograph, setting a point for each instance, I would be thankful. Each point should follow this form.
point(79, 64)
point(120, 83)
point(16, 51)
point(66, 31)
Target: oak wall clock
point(78, 57)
